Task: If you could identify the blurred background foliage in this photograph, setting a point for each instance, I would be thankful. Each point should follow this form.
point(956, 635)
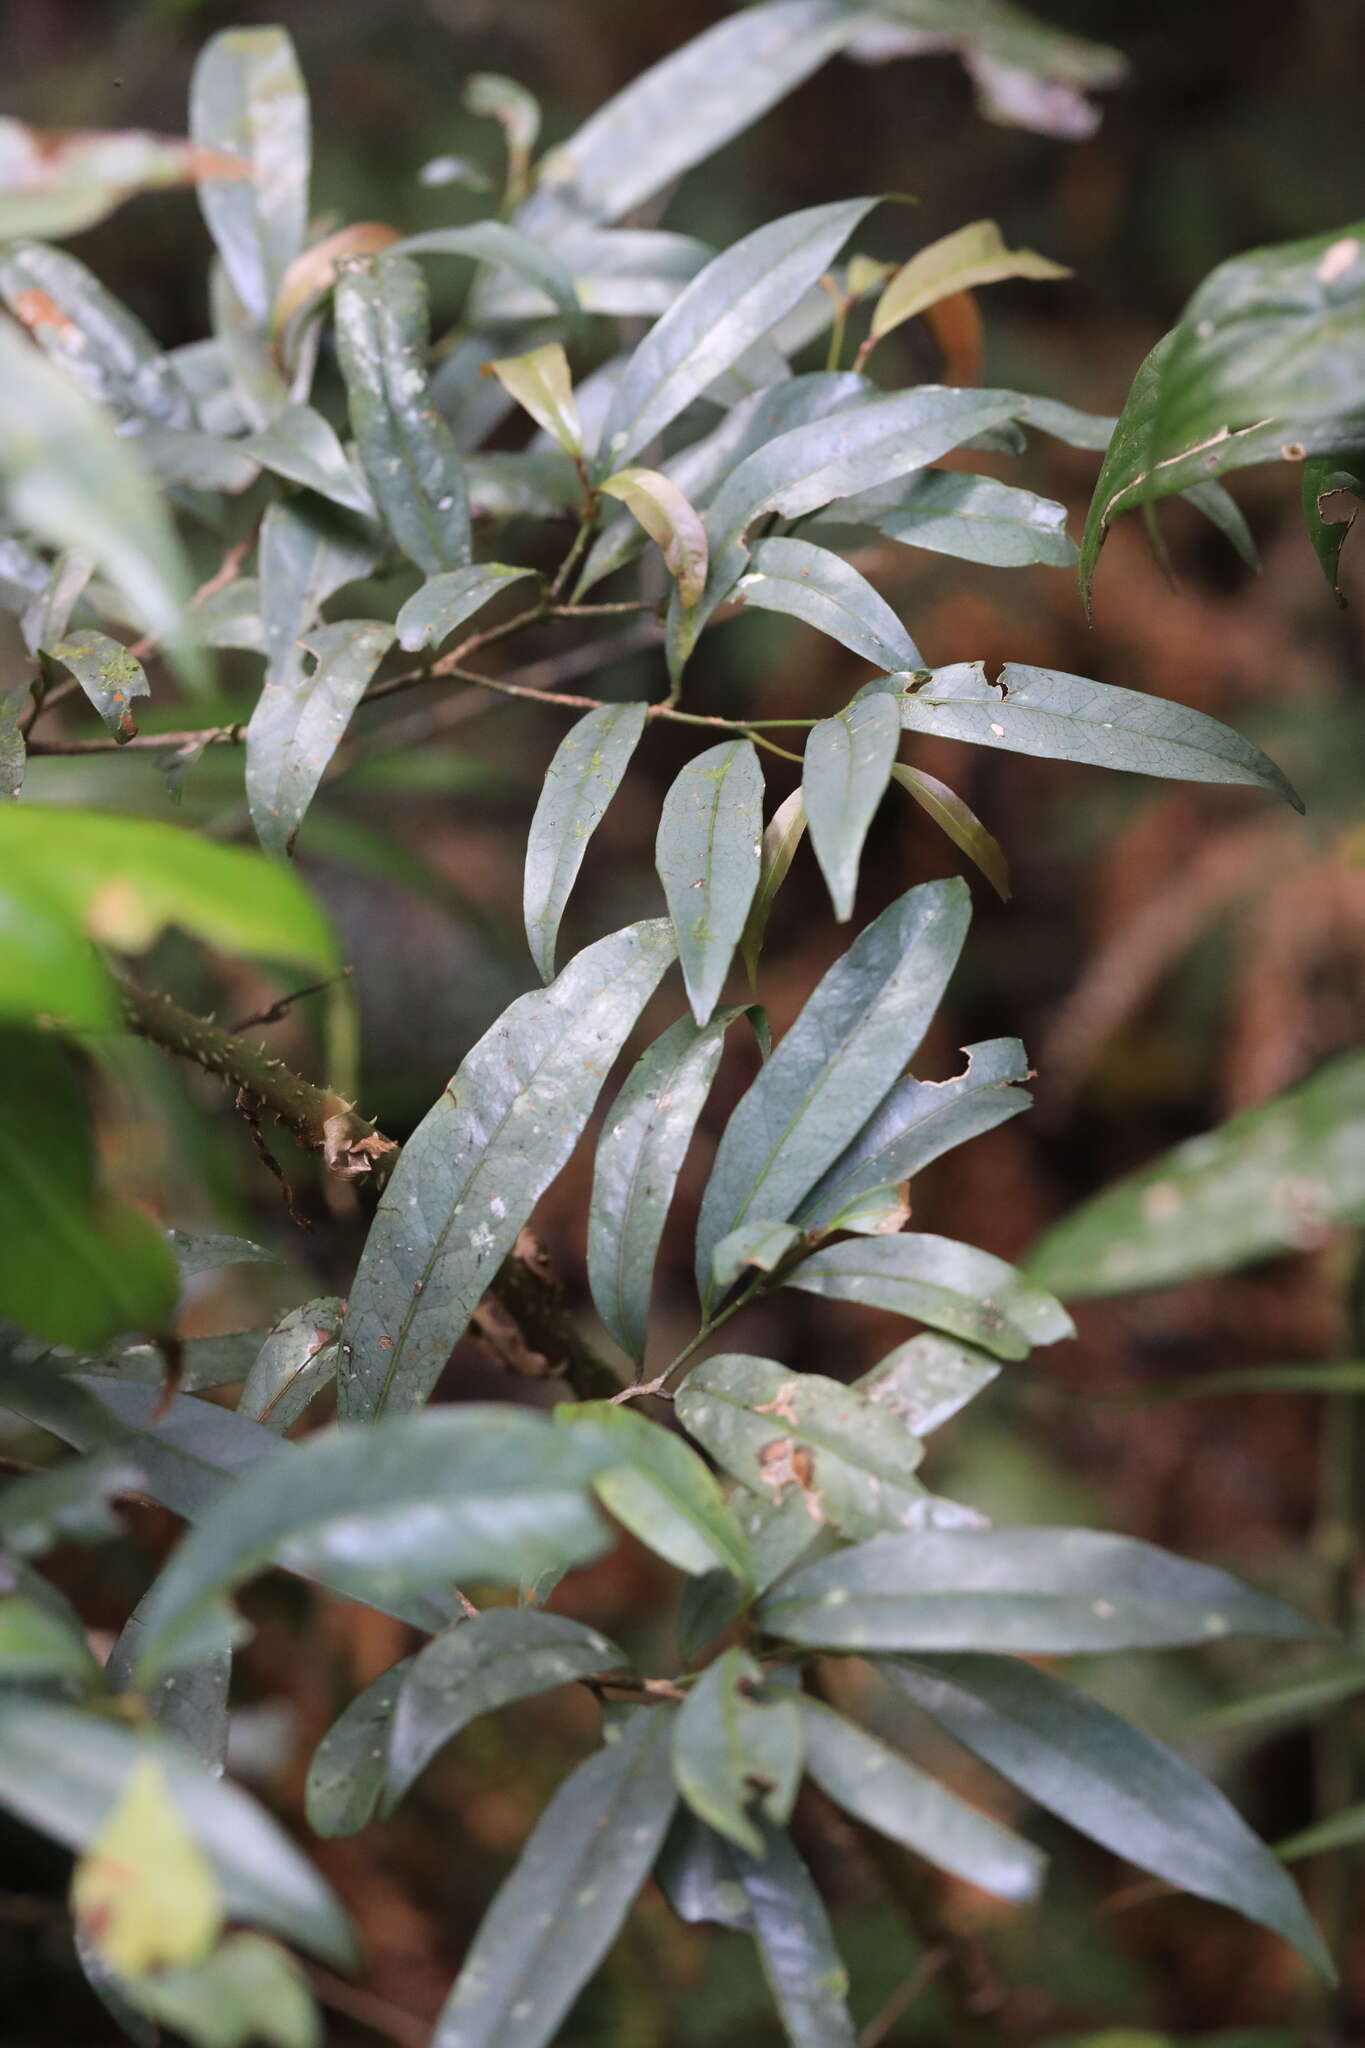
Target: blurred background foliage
point(1169, 956)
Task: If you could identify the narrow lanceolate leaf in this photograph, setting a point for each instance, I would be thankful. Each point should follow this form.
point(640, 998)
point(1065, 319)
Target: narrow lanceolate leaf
point(301, 445)
point(38, 1644)
point(839, 1059)
point(349, 1768)
point(541, 384)
point(957, 818)
point(1111, 1781)
point(493, 242)
point(558, 1913)
point(977, 519)
point(918, 1122)
point(296, 1361)
point(471, 1492)
point(1061, 717)
point(1270, 1181)
point(55, 181)
point(65, 1503)
point(707, 852)
point(444, 602)
point(299, 721)
point(1040, 1592)
point(486, 1662)
point(781, 837)
point(639, 1156)
point(883, 1789)
point(580, 782)
point(63, 1771)
point(657, 1486)
point(111, 677)
point(314, 271)
point(667, 518)
point(847, 768)
point(728, 307)
point(971, 256)
point(92, 335)
point(248, 98)
point(823, 590)
point(406, 449)
point(190, 1703)
point(950, 1286)
point(732, 1750)
point(798, 1435)
point(308, 551)
point(469, 1177)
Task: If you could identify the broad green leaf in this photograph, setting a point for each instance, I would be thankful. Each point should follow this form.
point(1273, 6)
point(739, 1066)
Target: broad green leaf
point(110, 676)
point(444, 602)
point(248, 98)
point(580, 782)
point(1041, 1592)
point(823, 590)
point(308, 551)
point(143, 1892)
point(847, 768)
point(79, 1267)
point(1060, 717)
point(474, 1492)
point(479, 1665)
point(834, 1066)
point(1270, 1181)
point(1111, 1781)
point(975, 518)
point(63, 1772)
point(725, 309)
point(36, 1643)
point(247, 1992)
point(781, 837)
point(667, 518)
point(848, 1460)
point(299, 721)
point(919, 1121)
point(973, 255)
point(561, 1908)
point(926, 1380)
point(950, 1286)
point(639, 1156)
point(349, 1768)
point(758, 1244)
point(58, 181)
point(541, 384)
point(707, 853)
point(1296, 1699)
point(957, 818)
point(49, 971)
point(64, 1503)
point(405, 447)
point(92, 335)
point(659, 1489)
point(731, 1749)
point(886, 1791)
point(296, 1361)
point(301, 445)
point(1332, 488)
point(493, 242)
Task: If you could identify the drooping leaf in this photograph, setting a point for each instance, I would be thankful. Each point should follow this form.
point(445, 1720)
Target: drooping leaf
point(1270, 1181)
point(494, 242)
point(248, 98)
point(707, 853)
point(58, 181)
point(249, 1990)
point(971, 256)
point(639, 1157)
point(957, 818)
point(667, 518)
point(950, 1286)
point(299, 721)
point(580, 782)
point(92, 335)
point(444, 602)
point(541, 384)
point(975, 518)
point(781, 837)
point(469, 1176)
point(308, 551)
point(820, 588)
point(296, 1361)
point(659, 1489)
point(731, 1749)
point(1043, 1592)
point(1111, 1781)
point(517, 113)
point(301, 445)
point(111, 677)
point(834, 1066)
point(847, 768)
point(561, 1908)
point(143, 1892)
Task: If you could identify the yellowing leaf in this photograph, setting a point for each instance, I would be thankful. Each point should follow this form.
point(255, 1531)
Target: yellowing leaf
point(668, 518)
point(540, 383)
point(958, 262)
point(143, 1892)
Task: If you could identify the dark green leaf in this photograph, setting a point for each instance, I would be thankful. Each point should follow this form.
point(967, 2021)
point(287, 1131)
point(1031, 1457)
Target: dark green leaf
point(308, 551)
point(975, 518)
point(950, 1286)
point(781, 837)
point(92, 335)
point(580, 782)
point(960, 822)
point(659, 1489)
point(296, 1361)
point(707, 854)
point(65, 1503)
point(190, 1703)
point(301, 445)
point(299, 721)
point(847, 768)
point(247, 97)
point(819, 587)
point(35, 1643)
point(493, 242)
point(349, 1768)
point(731, 1749)
point(444, 602)
point(926, 1380)
point(1332, 488)
point(758, 1244)
point(1296, 1699)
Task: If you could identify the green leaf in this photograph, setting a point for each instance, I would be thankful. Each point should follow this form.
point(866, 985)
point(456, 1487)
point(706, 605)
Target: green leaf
point(92, 335)
point(1331, 481)
point(64, 1503)
point(1268, 1182)
point(731, 1749)
point(1296, 1699)
point(563, 1905)
point(231, 617)
point(493, 242)
point(826, 592)
point(444, 602)
point(299, 721)
point(475, 1492)
point(1042, 1592)
point(301, 445)
point(781, 837)
point(297, 1360)
point(880, 1787)
point(405, 447)
point(669, 519)
point(468, 1178)
point(483, 1663)
point(725, 309)
point(63, 1771)
point(639, 1157)
point(659, 1489)
point(957, 818)
point(110, 676)
point(51, 972)
point(349, 1768)
point(1059, 717)
point(580, 782)
point(972, 256)
point(950, 1286)
point(1111, 1781)
point(541, 384)
point(1338, 1831)
point(926, 1380)
point(847, 768)
point(247, 97)
point(758, 1244)
point(504, 100)
point(835, 1065)
point(190, 1703)
point(36, 1643)
point(79, 1267)
point(308, 551)
point(58, 181)
point(845, 1458)
point(248, 1991)
point(975, 518)
point(707, 853)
